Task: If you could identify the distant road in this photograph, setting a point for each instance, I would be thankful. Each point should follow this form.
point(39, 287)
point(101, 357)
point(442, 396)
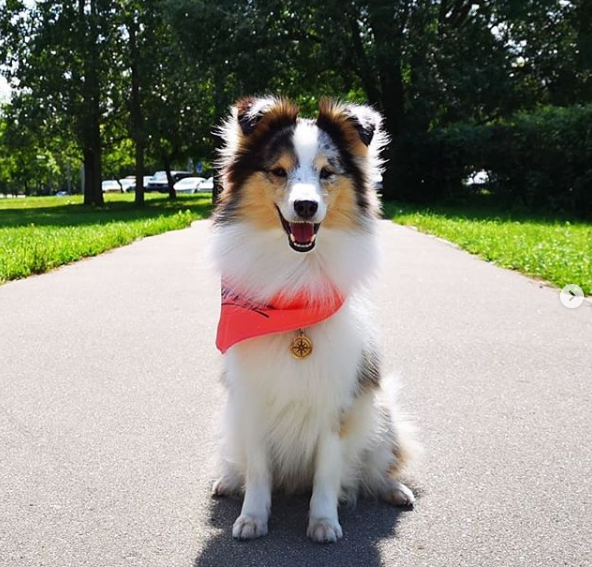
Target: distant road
point(109, 404)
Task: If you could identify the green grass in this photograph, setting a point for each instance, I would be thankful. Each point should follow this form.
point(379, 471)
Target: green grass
point(41, 233)
point(554, 249)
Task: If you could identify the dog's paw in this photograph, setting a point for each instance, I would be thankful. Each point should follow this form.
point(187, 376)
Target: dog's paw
point(249, 527)
point(323, 530)
point(223, 487)
point(400, 495)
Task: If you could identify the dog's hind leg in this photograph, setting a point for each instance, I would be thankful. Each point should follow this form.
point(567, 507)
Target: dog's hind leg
point(385, 462)
point(398, 494)
point(381, 477)
point(230, 482)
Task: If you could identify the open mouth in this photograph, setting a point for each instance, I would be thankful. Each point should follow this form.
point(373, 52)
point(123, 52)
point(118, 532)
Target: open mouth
point(301, 235)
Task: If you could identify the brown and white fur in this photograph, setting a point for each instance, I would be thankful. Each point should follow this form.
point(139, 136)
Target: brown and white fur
point(320, 422)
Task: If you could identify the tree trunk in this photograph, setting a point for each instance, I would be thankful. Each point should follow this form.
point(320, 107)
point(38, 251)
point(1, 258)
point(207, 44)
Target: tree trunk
point(136, 111)
point(363, 67)
point(167, 167)
point(139, 198)
point(393, 108)
point(91, 115)
point(391, 88)
point(93, 191)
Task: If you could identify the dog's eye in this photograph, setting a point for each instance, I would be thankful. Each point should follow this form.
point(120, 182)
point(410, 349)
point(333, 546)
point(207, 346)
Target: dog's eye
point(279, 172)
point(325, 173)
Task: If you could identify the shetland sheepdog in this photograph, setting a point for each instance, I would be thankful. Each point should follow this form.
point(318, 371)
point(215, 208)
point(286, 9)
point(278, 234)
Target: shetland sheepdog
point(296, 224)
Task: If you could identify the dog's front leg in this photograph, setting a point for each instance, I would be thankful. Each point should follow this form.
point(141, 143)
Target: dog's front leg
point(323, 525)
point(252, 522)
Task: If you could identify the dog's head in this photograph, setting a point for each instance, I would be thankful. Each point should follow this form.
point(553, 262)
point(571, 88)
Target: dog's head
point(301, 175)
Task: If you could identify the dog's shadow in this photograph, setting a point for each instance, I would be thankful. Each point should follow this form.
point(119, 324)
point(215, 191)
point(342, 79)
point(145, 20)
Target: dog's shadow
point(286, 544)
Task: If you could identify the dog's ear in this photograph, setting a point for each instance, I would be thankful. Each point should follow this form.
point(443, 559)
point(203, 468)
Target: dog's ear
point(353, 123)
point(366, 121)
point(251, 111)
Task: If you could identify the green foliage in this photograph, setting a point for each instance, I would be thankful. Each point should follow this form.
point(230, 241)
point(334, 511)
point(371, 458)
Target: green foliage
point(559, 251)
point(30, 165)
point(448, 75)
point(62, 61)
point(539, 160)
point(38, 234)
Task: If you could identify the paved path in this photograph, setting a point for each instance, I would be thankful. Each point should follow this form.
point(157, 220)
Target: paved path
point(109, 403)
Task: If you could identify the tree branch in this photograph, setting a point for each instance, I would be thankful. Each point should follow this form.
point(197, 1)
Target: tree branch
point(365, 72)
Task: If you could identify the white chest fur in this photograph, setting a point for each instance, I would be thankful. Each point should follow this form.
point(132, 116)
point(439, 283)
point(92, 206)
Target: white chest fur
point(294, 400)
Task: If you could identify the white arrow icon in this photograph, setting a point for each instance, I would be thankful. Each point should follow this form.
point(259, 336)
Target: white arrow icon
point(572, 296)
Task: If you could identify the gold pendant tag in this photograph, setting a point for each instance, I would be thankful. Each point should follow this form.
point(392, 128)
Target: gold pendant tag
point(301, 346)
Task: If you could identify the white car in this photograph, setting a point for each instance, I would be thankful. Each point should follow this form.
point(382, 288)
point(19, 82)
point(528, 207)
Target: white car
point(159, 181)
point(145, 180)
point(377, 183)
point(128, 184)
point(207, 185)
point(477, 178)
point(111, 186)
point(189, 185)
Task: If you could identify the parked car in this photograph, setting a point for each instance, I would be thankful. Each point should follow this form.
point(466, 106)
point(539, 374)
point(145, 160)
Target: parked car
point(189, 185)
point(377, 183)
point(128, 184)
point(207, 185)
point(111, 186)
point(145, 181)
point(477, 179)
point(159, 181)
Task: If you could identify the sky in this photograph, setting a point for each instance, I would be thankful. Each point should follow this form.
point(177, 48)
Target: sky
point(4, 89)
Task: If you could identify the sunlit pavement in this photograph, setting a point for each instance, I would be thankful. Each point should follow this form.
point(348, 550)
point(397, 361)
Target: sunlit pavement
point(109, 404)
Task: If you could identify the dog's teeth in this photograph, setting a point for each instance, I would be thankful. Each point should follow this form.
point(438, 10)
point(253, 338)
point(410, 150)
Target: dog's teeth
point(292, 238)
point(313, 238)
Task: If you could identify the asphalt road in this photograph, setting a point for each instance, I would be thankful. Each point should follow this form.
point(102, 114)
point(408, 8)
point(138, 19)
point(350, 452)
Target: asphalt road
point(109, 404)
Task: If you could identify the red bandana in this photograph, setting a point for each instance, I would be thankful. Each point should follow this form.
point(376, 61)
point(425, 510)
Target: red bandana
point(241, 319)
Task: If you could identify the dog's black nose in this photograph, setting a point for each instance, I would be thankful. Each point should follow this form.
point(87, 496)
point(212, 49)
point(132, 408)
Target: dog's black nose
point(306, 209)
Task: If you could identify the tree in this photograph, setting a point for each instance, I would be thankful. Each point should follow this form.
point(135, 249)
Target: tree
point(31, 162)
point(163, 72)
point(243, 47)
point(140, 28)
point(168, 111)
point(424, 64)
point(62, 64)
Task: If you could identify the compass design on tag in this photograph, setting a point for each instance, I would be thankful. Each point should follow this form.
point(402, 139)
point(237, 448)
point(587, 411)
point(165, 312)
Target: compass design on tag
point(301, 346)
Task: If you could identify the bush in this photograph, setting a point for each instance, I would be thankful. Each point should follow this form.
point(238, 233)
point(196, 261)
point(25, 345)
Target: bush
point(541, 160)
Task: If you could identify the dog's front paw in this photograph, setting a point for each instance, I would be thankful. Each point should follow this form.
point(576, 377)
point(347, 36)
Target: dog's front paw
point(249, 527)
point(323, 530)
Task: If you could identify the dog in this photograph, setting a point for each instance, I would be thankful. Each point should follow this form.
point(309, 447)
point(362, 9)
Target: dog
point(295, 241)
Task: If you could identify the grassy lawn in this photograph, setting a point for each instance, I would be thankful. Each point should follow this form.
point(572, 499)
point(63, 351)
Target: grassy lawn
point(557, 250)
point(41, 233)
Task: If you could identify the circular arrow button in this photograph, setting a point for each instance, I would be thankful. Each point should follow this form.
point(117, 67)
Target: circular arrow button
point(572, 296)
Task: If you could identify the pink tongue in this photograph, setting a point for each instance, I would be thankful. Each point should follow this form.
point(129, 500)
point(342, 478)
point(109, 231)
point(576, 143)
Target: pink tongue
point(302, 231)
